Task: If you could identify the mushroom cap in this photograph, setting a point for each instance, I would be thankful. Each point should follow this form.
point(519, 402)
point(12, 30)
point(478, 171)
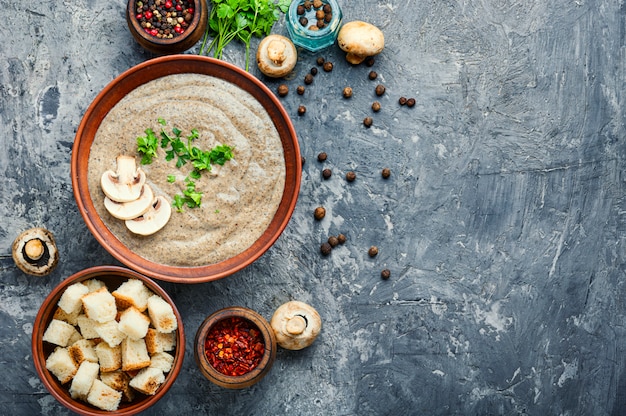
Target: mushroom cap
point(152, 220)
point(296, 325)
point(123, 185)
point(131, 209)
point(360, 40)
point(35, 252)
point(276, 56)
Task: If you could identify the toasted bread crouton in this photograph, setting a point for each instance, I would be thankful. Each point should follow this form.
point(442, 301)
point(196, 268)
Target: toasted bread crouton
point(103, 396)
point(70, 318)
point(119, 381)
point(87, 327)
point(60, 363)
point(163, 361)
point(94, 284)
point(161, 314)
point(134, 354)
point(59, 333)
point(83, 379)
point(148, 380)
point(110, 332)
point(83, 350)
point(100, 305)
point(110, 358)
point(70, 300)
point(134, 323)
point(132, 293)
point(157, 342)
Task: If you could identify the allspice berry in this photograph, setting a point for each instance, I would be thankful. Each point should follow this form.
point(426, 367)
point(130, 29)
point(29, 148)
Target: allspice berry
point(301, 110)
point(380, 89)
point(319, 213)
point(341, 238)
point(347, 92)
point(350, 176)
point(372, 75)
point(386, 173)
point(328, 66)
point(322, 156)
point(367, 122)
point(402, 100)
point(376, 106)
point(300, 89)
point(308, 79)
point(326, 248)
point(283, 90)
point(327, 173)
point(410, 102)
point(373, 251)
point(333, 241)
point(320, 61)
point(385, 274)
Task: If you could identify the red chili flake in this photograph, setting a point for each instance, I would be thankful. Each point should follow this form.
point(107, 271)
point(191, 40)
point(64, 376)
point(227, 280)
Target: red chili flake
point(234, 346)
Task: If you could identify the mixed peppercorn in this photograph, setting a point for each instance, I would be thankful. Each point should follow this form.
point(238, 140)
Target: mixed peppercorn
point(164, 19)
point(234, 346)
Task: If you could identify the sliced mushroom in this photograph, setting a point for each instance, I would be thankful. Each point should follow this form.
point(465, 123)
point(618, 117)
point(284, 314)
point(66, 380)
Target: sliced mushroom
point(125, 184)
point(276, 56)
point(132, 209)
point(296, 325)
point(152, 220)
point(360, 40)
point(35, 252)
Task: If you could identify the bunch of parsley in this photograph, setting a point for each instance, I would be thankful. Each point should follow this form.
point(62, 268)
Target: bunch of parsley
point(183, 152)
point(240, 19)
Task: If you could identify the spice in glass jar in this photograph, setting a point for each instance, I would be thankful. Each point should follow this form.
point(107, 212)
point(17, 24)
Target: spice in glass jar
point(234, 346)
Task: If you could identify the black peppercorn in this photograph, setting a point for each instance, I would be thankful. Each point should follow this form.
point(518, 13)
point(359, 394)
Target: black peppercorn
point(350, 176)
point(322, 156)
point(367, 122)
point(326, 248)
point(314, 71)
point(300, 89)
point(319, 213)
point(380, 89)
point(402, 100)
point(347, 92)
point(370, 61)
point(320, 61)
point(372, 75)
point(410, 102)
point(341, 238)
point(327, 173)
point(385, 274)
point(328, 66)
point(376, 106)
point(301, 110)
point(333, 241)
point(283, 90)
point(386, 173)
point(373, 251)
point(308, 79)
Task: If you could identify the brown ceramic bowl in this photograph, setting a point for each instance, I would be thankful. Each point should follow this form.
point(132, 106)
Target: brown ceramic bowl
point(254, 375)
point(161, 46)
point(139, 75)
point(112, 276)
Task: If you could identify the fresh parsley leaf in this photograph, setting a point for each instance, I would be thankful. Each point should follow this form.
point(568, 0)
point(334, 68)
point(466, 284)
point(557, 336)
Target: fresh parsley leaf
point(147, 146)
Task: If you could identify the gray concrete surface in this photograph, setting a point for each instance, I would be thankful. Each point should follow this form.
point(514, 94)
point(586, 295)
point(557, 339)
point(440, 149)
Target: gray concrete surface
point(502, 223)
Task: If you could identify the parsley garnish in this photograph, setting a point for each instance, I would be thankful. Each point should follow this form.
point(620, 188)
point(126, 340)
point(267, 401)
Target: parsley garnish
point(240, 19)
point(183, 151)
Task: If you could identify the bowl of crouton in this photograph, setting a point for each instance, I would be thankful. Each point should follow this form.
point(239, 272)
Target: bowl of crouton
point(108, 339)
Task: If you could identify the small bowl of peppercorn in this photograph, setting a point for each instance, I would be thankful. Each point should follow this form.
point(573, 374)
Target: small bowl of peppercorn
point(235, 347)
point(167, 26)
point(314, 24)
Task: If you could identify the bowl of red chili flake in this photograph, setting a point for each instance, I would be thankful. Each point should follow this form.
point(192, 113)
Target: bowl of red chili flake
point(167, 26)
point(235, 347)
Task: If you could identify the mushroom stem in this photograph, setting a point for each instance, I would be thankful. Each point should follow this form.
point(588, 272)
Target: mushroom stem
point(296, 325)
point(34, 249)
point(276, 52)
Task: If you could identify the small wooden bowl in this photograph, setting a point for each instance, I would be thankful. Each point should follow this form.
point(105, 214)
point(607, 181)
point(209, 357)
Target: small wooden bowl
point(254, 375)
point(112, 277)
point(178, 44)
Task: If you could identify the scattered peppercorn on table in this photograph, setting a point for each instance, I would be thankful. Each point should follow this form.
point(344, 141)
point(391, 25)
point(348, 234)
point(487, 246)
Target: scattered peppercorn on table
point(460, 222)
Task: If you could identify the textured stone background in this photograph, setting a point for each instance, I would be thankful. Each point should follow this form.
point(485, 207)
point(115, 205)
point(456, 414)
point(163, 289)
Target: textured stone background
point(503, 222)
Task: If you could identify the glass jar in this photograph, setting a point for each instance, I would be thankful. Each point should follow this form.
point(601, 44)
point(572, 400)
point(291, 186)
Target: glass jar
point(306, 37)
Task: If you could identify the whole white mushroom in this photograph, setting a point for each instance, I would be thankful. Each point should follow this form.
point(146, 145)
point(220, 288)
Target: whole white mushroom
point(296, 325)
point(360, 40)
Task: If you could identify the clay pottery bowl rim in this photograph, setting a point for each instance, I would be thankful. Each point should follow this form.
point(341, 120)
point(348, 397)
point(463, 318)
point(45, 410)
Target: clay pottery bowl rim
point(139, 75)
point(257, 373)
point(110, 275)
point(160, 45)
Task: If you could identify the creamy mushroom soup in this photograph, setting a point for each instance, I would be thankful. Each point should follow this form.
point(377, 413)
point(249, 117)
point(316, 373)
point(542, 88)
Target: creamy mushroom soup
point(239, 199)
